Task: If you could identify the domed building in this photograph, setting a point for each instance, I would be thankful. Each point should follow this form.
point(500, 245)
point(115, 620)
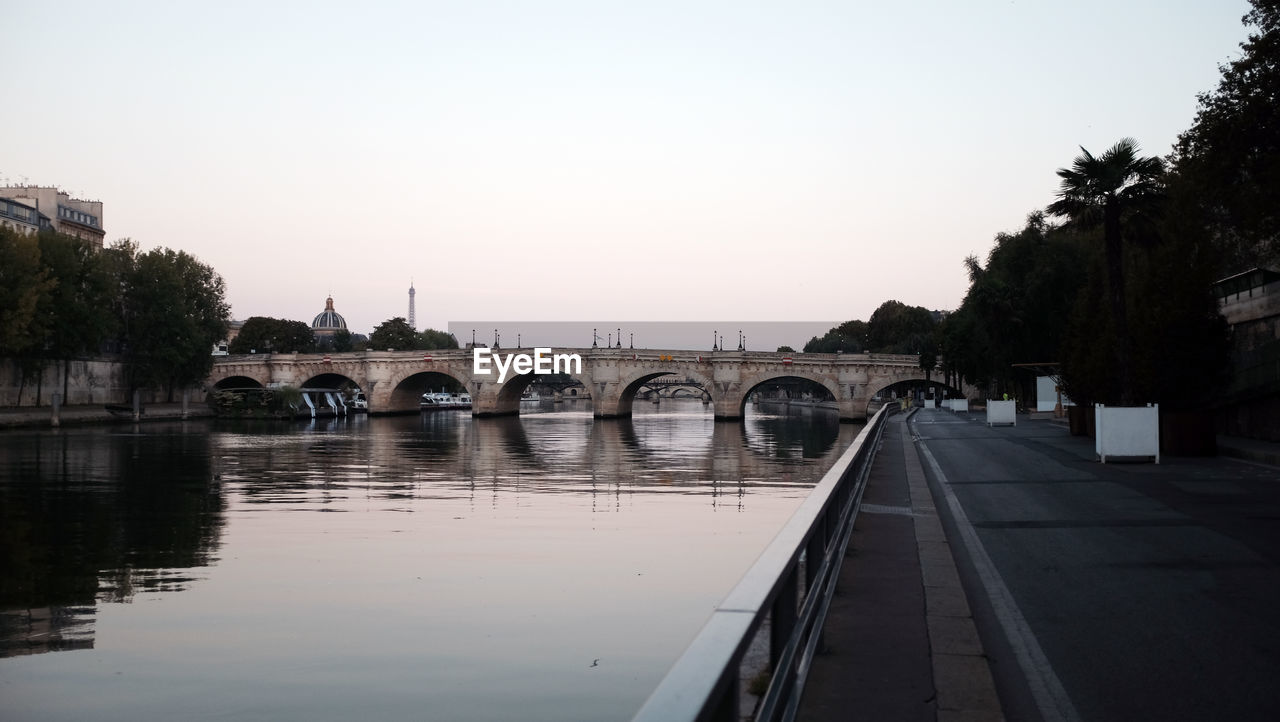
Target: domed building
point(328, 322)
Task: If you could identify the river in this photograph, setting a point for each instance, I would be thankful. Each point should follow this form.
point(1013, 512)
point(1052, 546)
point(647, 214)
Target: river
point(546, 567)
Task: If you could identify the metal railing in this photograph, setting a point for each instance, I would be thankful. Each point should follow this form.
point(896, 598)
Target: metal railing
point(705, 683)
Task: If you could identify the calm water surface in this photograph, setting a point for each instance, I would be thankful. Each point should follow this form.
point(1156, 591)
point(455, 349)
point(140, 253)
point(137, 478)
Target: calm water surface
point(547, 567)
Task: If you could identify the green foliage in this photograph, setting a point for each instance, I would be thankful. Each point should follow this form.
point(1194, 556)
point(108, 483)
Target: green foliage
point(23, 283)
point(342, 341)
point(433, 339)
point(833, 341)
point(262, 334)
point(898, 328)
point(1124, 194)
point(894, 328)
point(75, 315)
point(1227, 165)
point(786, 349)
point(173, 309)
point(393, 334)
point(1017, 308)
point(259, 403)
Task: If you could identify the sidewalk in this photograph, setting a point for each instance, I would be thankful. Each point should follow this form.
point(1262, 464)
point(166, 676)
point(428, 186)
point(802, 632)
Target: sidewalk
point(900, 639)
point(42, 416)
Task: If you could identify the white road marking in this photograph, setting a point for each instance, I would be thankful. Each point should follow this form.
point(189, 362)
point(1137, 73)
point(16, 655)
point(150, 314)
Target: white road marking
point(1046, 689)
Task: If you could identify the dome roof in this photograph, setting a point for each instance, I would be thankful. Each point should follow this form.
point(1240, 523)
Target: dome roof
point(328, 319)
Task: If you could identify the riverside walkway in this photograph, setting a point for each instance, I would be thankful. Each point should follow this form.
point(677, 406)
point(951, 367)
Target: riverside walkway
point(1076, 590)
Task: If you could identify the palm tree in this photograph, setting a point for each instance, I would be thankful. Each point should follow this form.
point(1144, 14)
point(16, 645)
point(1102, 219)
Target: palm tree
point(1122, 192)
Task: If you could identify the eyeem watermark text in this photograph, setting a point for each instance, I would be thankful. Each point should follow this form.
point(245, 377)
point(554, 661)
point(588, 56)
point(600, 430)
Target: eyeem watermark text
point(541, 362)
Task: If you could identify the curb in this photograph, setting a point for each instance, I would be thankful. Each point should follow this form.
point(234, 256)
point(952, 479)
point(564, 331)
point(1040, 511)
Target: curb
point(962, 677)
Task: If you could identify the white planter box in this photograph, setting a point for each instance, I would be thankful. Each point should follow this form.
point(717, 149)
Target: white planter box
point(960, 405)
point(1002, 412)
point(946, 403)
point(1127, 431)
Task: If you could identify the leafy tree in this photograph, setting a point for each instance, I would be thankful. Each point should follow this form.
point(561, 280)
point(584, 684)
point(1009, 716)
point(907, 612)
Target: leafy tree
point(832, 342)
point(433, 339)
point(273, 335)
point(1122, 193)
point(75, 315)
point(786, 349)
point(895, 327)
point(174, 310)
point(1228, 162)
point(342, 341)
point(77, 311)
point(848, 337)
point(23, 282)
point(395, 334)
point(1017, 308)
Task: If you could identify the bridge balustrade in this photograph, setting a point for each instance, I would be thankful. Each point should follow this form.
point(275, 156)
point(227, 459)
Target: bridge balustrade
point(704, 684)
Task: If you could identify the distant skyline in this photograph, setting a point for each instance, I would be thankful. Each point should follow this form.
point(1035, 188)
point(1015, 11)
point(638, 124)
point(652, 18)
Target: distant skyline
point(573, 161)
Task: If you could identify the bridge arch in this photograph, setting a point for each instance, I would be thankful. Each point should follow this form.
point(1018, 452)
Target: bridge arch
point(237, 382)
point(630, 385)
point(403, 392)
point(509, 393)
point(330, 380)
point(904, 387)
point(760, 379)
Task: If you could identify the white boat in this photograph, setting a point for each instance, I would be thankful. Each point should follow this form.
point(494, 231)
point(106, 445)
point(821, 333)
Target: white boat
point(440, 401)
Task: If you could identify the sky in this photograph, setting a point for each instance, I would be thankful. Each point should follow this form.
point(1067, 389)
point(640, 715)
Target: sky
point(604, 162)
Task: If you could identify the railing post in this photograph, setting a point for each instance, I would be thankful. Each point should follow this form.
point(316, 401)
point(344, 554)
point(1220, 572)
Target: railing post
point(784, 618)
point(727, 709)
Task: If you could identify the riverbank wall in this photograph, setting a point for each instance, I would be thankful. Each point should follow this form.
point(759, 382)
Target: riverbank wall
point(43, 416)
point(81, 382)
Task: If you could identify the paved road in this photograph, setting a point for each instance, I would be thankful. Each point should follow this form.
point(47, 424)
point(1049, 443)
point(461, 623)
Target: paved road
point(1117, 591)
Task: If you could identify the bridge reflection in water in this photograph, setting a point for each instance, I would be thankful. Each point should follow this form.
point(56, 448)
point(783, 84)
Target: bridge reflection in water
point(378, 567)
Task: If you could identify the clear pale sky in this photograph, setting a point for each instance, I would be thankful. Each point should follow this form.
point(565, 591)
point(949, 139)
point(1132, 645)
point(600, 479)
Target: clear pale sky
point(589, 161)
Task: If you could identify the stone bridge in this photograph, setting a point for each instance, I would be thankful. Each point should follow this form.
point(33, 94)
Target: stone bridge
point(394, 381)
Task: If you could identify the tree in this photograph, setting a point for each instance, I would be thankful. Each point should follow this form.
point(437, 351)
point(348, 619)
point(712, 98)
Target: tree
point(1017, 308)
point(1228, 162)
point(1123, 194)
point(173, 310)
point(895, 327)
point(264, 334)
point(342, 341)
point(23, 283)
point(393, 334)
point(75, 315)
point(786, 349)
point(433, 339)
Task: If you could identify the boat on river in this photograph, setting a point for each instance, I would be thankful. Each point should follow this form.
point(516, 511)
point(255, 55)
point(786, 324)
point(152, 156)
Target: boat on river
point(444, 401)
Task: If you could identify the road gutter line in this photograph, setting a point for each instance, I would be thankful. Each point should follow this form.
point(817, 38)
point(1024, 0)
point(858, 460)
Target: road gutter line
point(1046, 689)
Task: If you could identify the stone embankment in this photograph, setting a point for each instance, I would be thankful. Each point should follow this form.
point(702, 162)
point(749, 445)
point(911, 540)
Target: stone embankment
point(42, 416)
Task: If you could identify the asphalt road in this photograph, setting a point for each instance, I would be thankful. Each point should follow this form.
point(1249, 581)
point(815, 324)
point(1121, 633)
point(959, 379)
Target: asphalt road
point(1117, 591)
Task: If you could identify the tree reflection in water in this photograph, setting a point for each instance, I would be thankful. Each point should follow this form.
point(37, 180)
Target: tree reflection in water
point(92, 516)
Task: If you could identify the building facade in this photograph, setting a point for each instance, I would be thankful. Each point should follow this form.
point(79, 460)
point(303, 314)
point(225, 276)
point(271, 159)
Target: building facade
point(53, 209)
point(22, 217)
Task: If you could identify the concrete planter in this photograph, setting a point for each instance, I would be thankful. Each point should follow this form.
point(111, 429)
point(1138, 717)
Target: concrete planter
point(960, 405)
point(1127, 431)
point(1002, 412)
